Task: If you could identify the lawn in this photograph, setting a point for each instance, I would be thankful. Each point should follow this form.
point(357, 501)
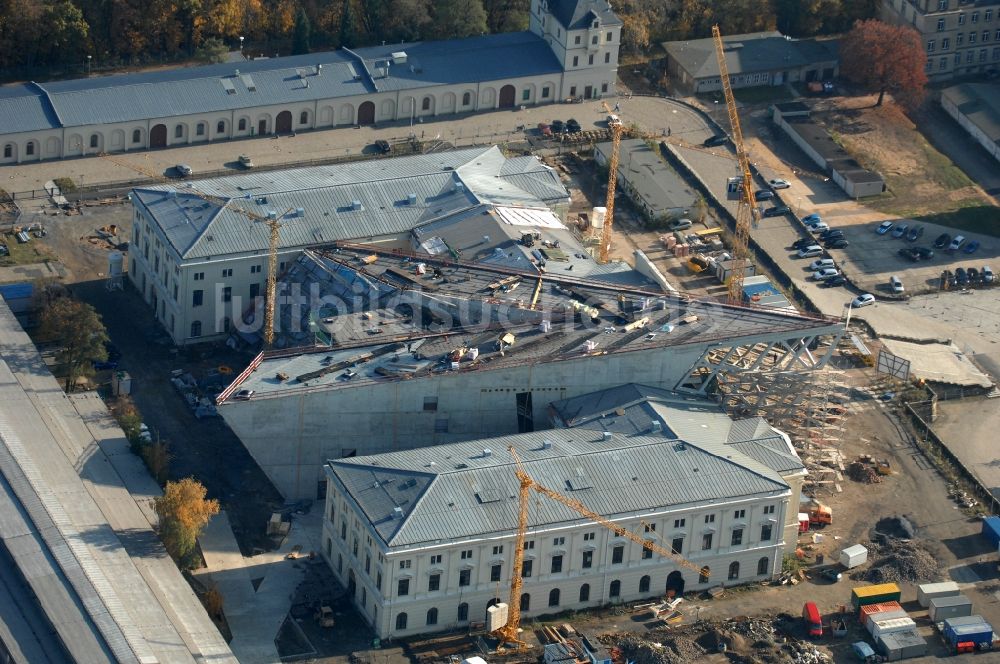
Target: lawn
point(23, 254)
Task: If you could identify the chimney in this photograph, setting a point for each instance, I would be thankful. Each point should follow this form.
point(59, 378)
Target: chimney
point(487, 452)
point(319, 70)
point(606, 435)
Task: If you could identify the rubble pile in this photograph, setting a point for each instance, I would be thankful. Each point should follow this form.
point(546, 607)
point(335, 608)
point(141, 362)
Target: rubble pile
point(806, 653)
point(674, 650)
point(752, 629)
point(861, 472)
point(898, 560)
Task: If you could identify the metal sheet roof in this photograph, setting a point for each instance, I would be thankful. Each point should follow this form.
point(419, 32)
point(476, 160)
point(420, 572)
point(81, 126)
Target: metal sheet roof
point(749, 53)
point(577, 14)
point(437, 493)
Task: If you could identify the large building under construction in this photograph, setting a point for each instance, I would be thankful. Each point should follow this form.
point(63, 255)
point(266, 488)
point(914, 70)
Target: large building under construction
point(416, 351)
point(424, 539)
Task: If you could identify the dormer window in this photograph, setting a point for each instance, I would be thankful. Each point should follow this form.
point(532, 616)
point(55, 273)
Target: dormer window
point(597, 24)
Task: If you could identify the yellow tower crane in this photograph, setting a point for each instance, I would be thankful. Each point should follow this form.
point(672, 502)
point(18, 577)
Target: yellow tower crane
point(616, 127)
point(272, 220)
point(508, 634)
point(746, 211)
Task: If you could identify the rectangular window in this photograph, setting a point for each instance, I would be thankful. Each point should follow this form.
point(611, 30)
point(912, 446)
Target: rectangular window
point(617, 555)
point(737, 537)
point(940, 25)
point(604, 88)
point(467, 554)
point(982, 55)
point(430, 404)
point(556, 564)
point(768, 509)
point(609, 36)
point(988, 16)
point(254, 290)
point(255, 269)
point(436, 560)
point(227, 294)
point(647, 553)
point(572, 91)
point(593, 40)
point(404, 588)
point(529, 544)
point(199, 276)
point(404, 564)
point(545, 92)
point(526, 569)
point(945, 44)
point(972, 37)
point(740, 514)
point(607, 57)
point(441, 425)
point(559, 541)
point(942, 5)
point(706, 541)
point(709, 518)
point(433, 582)
point(495, 573)
point(197, 297)
point(590, 59)
point(677, 545)
point(526, 94)
point(959, 39)
point(650, 527)
point(996, 53)
point(465, 577)
point(497, 550)
point(368, 564)
point(968, 57)
point(930, 46)
point(228, 272)
point(679, 523)
point(588, 559)
point(765, 532)
point(986, 35)
point(961, 19)
point(577, 40)
point(975, 17)
point(588, 537)
point(175, 292)
point(943, 64)
point(576, 61)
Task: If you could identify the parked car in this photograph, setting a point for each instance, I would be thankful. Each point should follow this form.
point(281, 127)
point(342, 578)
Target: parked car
point(839, 280)
point(810, 218)
point(863, 300)
point(713, 141)
point(779, 184)
point(246, 161)
point(804, 242)
point(819, 227)
point(831, 234)
point(900, 230)
point(763, 195)
point(987, 274)
point(925, 253)
point(837, 243)
point(777, 211)
point(909, 253)
point(832, 574)
point(184, 170)
point(811, 251)
point(942, 241)
point(821, 263)
point(915, 233)
point(680, 224)
point(544, 129)
point(895, 284)
point(572, 126)
point(973, 275)
point(956, 242)
point(884, 227)
point(961, 276)
point(825, 273)
point(557, 126)
point(971, 247)
point(243, 395)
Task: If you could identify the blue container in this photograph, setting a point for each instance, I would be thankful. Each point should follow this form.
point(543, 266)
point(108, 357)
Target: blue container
point(971, 628)
point(991, 529)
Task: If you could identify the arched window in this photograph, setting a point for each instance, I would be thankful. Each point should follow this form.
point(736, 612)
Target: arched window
point(734, 570)
point(196, 328)
point(304, 117)
point(136, 135)
point(243, 124)
point(585, 592)
point(29, 149)
point(466, 99)
point(179, 131)
point(401, 621)
point(762, 565)
point(463, 612)
point(94, 140)
point(426, 104)
point(706, 574)
point(8, 151)
point(525, 602)
point(644, 584)
point(432, 616)
point(616, 589)
point(199, 130)
point(220, 127)
point(554, 597)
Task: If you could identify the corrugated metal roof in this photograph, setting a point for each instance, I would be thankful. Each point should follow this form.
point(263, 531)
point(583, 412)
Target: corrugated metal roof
point(452, 492)
point(193, 90)
point(445, 184)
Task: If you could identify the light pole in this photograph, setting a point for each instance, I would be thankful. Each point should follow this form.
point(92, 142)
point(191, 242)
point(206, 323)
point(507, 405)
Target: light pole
point(89, 58)
point(241, 47)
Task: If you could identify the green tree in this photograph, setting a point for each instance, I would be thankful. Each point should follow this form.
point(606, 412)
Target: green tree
point(67, 35)
point(300, 38)
point(454, 19)
point(348, 26)
point(212, 50)
point(885, 58)
point(184, 512)
point(80, 331)
point(506, 15)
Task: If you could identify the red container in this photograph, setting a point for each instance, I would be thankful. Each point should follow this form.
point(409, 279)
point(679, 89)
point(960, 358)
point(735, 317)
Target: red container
point(873, 609)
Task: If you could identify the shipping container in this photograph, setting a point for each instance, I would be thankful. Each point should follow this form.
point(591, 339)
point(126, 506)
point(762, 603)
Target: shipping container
point(867, 612)
point(970, 629)
point(928, 591)
point(882, 627)
point(942, 608)
point(853, 556)
point(991, 529)
point(902, 645)
point(883, 592)
point(884, 617)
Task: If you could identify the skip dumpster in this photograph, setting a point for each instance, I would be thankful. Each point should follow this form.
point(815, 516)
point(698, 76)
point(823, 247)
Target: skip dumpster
point(865, 595)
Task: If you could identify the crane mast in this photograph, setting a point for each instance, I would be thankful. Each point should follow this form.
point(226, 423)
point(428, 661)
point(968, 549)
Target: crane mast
point(747, 207)
point(616, 127)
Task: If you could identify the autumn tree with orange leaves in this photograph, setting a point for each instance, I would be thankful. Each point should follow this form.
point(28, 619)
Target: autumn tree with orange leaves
point(184, 512)
point(885, 58)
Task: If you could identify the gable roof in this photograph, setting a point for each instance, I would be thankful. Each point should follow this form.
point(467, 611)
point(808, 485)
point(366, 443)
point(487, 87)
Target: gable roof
point(444, 183)
point(753, 52)
point(578, 14)
point(459, 491)
point(267, 81)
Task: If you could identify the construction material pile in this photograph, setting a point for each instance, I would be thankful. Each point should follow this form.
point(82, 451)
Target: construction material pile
point(673, 650)
point(862, 472)
point(899, 560)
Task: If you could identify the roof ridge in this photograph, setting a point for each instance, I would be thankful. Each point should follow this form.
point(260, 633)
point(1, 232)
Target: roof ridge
point(364, 65)
point(208, 225)
point(48, 100)
point(748, 463)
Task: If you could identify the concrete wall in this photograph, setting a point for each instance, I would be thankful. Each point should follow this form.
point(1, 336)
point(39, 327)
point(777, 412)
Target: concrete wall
point(803, 145)
point(991, 146)
point(376, 590)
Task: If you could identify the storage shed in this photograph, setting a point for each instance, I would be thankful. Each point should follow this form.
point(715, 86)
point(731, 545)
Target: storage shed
point(955, 606)
point(928, 591)
point(853, 556)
